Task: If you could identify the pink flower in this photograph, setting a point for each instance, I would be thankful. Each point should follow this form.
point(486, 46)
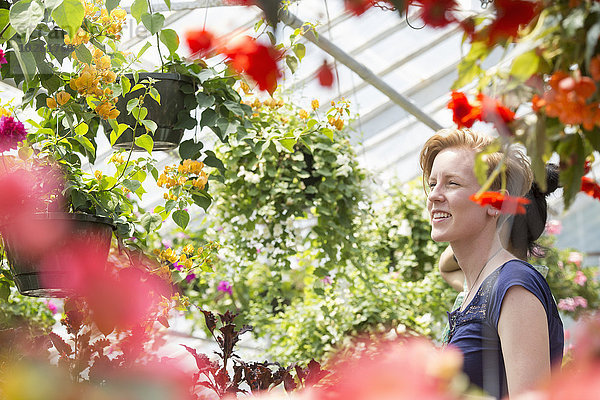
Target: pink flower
point(51, 306)
point(11, 133)
point(327, 280)
point(553, 227)
point(190, 277)
point(2, 59)
point(226, 287)
point(580, 278)
point(575, 258)
point(580, 302)
point(567, 304)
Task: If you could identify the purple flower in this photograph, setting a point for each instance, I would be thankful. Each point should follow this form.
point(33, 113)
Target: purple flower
point(51, 306)
point(178, 267)
point(190, 277)
point(2, 59)
point(11, 133)
point(226, 287)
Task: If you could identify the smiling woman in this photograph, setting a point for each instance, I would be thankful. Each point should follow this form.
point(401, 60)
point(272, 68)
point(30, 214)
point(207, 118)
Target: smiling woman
point(505, 296)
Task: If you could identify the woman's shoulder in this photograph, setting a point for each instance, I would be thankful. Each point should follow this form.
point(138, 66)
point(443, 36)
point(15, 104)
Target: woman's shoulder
point(518, 270)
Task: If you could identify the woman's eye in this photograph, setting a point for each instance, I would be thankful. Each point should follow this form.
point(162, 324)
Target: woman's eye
point(452, 183)
point(431, 186)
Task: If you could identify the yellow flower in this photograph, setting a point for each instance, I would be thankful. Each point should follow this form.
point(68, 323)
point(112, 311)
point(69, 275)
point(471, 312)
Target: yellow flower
point(314, 104)
point(166, 196)
point(62, 98)
point(339, 124)
point(244, 86)
point(303, 114)
point(98, 175)
point(4, 112)
point(118, 13)
point(109, 77)
point(51, 103)
point(189, 249)
point(181, 181)
point(103, 62)
point(97, 53)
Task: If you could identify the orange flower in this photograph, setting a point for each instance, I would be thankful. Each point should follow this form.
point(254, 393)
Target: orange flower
point(595, 68)
point(505, 203)
point(590, 187)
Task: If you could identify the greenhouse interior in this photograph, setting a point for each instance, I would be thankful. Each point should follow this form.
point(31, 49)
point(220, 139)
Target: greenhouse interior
point(346, 199)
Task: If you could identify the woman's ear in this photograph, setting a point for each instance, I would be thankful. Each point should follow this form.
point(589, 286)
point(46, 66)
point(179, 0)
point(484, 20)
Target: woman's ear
point(492, 212)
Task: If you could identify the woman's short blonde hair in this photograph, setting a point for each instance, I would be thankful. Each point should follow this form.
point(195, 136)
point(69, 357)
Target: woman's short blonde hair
point(519, 176)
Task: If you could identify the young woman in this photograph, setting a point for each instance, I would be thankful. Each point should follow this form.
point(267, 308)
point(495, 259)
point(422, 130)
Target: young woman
point(508, 327)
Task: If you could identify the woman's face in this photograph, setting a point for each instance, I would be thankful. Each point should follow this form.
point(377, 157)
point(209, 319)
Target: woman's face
point(453, 215)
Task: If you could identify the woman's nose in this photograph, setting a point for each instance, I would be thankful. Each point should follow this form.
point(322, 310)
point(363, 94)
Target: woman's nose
point(435, 194)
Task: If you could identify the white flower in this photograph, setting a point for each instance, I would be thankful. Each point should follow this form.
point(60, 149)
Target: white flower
point(277, 230)
point(344, 170)
point(252, 177)
point(342, 159)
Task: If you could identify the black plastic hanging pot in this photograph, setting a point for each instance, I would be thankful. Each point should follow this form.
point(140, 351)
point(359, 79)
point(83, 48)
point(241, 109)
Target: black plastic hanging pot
point(45, 273)
point(165, 115)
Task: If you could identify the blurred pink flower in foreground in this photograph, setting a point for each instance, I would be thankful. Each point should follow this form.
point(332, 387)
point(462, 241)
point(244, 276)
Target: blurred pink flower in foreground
point(226, 287)
point(553, 227)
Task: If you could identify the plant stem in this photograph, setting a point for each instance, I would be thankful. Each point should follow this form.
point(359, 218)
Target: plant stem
point(162, 64)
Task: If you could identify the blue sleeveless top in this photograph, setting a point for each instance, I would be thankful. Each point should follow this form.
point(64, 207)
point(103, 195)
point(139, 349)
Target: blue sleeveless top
point(475, 330)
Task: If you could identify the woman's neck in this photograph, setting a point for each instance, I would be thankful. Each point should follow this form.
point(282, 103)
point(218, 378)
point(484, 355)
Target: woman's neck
point(475, 255)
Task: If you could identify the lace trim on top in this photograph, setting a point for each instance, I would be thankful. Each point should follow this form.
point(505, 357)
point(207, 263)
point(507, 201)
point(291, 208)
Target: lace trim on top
point(477, 309)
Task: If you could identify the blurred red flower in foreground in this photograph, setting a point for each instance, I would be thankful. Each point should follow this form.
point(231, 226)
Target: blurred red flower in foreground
point(463, 113)
point(503, 202)
point(358, 7)
point(199, 41)
point(590, 187)
point(325, 75)
point(437, 13)
point(413, 369)
point(256, 60)
point(118, 296)
point(510, 16)
point(493, 111)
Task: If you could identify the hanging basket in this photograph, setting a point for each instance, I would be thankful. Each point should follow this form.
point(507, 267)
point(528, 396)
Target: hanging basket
point(44, 273)
point(165, 115)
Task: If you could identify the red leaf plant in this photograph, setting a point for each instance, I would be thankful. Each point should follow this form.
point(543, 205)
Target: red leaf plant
point(437, 13)
point(590, 187)
point(464, 114)
point(325, 75)
point(255, 59)
point(200, 41)
point(504, 203)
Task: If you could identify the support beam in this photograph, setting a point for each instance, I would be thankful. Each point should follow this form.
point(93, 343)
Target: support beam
point(361, 70)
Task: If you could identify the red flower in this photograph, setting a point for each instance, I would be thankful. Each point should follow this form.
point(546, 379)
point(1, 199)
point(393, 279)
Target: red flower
point(463, 113)
point(11, 132)
point(358, 7)
point(437, 13)
point(493, 111)
point(199, 41)
point(590, 187)
point(505, 203)
point(325, 75)
point(510, 15)
point(256, 60)
point(2, 59)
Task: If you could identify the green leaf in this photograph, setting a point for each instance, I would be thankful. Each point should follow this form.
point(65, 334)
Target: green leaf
point(212, 161)
point(299, 50)
point(7, 30)
point(89, 146)
point(571, 151)
point(525, 65)
point(153, 22)
point(140, 53)
point(25, 16)
point(83, 54)
point(181, 218)
point(69, 16)
point(111, 5)
point(131, 104)
point(169, 206)
point(470, 66)
point(151, 125)
point(168, 3)
point(201, 201)
point(26, 61)
point(591, 41)
point(125, 85)
point(327, 132)
point(154, 94)
point(138, 8)
point(4, 290)
point(170, 39)
point(188, 149)
point(292, 63)
point(151, 222)
point(81, 129)
point(288, 144)
point(115, 134)
point(133, 186)
point(234, 107)
point(204, 100)
point(209, 118)
point(145, 142)
point(139, 113)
